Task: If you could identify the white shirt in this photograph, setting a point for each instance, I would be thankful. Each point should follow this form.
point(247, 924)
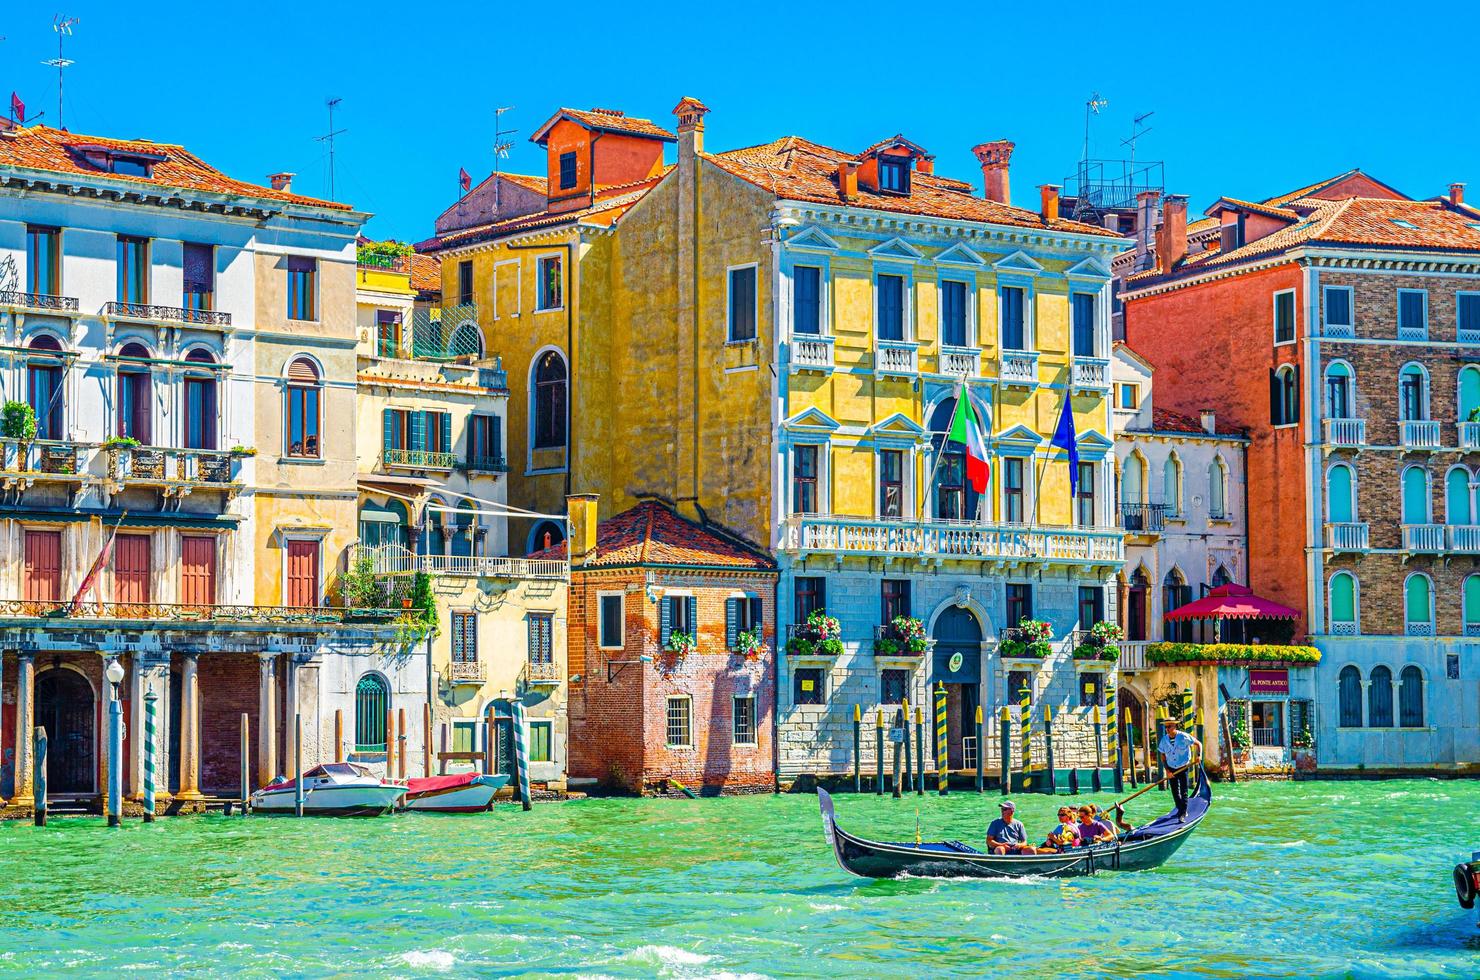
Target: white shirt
point(1177, 749)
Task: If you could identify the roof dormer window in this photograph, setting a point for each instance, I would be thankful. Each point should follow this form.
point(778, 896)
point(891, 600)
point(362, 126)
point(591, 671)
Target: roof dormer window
point(113, 160)
point(894, 175)
point(128, 166)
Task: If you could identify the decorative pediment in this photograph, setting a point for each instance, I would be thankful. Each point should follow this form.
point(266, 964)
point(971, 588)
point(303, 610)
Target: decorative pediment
point(1094, 446)
point(1090, 268)
point(959, 254)
point(812, 240)
point(1018, 441)
point(1020, 262)
point(897, 427)
point(897, 249)
point(812, 420)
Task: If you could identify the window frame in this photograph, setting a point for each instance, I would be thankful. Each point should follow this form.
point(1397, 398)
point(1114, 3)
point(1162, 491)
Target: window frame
point(1278, 296)
point(817, 479)
point(1351, 310)
point(1403, 720)
point(549, 743)
point(1425, 401)
point(302, 389)
point(304, 292)
point(570, 157)
point(541, 295)
point(537, 390)
point(1360, 701)
point(1408, 624)
point(737, 737)
point(887, 674)
point(1348, 386)
point(906, 311)
point(819, 674)
point(531, 619)
point(52, 234)
point(1460, 334)
point(1356, 620)
point(1023, 491)
point(1094, 323)
point(897, 165)
point(968, 311)
point(1120, 391)
point(137, 247)
point(458, 638)
point(1022, 599)
point(466, 289)
point(755, 303)
point(904, 459)
point(1029, 341)
point(1389, 719)
point(1286, 396)
point(601, 637)
point(1424, 324)
point(822, 304)
point(687, 703)
point(894, 599)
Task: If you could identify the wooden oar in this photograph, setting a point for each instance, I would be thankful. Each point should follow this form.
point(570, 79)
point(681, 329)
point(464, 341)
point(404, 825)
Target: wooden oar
point(1147, 788)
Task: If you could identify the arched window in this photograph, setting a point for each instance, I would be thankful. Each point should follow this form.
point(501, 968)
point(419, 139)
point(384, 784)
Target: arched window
point(1380, 698)
point(433, 540)
point(549, 401)
point(1469, 394)
point(384, 524)
point(45, 386)
point(547, 534)
point(1217, 490)
point(1459, 501)
point(200, 401)
point(1343, 603)
point(1418, 608)
point(1137, 607)
point(135, 399)
point(303, 409)
point(1340, 501)
point(1175, 593)
point(1284, 396)
point(372, 701)
point(1133, 479)
point(466, 342)
point(1338, 391)
point(1221, 577)
point(1171, 484)
point(1349, 697)
point(1415, 495)
point(954, 496)
point(1472, 605)
point(1413, 393)
point(1410, 697)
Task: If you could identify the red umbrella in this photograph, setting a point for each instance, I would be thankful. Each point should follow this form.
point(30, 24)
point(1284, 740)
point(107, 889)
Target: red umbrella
point(1233, 602)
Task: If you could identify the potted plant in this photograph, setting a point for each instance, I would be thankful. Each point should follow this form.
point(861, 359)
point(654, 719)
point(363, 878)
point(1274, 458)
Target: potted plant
point(820, 634)
point(1100, 643)
point(1303, 742)
point(1029, 639)
point(748, 643)
point(679, 643)
point(901, 636)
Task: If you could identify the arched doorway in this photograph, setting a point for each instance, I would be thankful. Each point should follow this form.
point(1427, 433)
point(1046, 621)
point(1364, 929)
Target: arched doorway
point(957, 664)
point(64, 707)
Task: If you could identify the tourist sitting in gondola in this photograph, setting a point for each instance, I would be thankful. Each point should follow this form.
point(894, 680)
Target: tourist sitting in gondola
point(1065, 835)
point(1006, 835)
point(1093, 830)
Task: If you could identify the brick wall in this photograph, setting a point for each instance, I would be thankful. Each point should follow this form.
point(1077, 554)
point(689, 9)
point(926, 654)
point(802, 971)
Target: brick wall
point(228, 687)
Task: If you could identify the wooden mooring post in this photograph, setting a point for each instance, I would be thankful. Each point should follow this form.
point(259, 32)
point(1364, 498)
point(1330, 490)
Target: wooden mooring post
point(297, 764)
point(909, 780)
point(857, 749)
point(879, 752)
point(338, 735)
point(38, 779)
point(246, 771)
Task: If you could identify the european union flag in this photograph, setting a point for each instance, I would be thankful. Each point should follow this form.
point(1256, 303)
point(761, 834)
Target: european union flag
point(1063, 438)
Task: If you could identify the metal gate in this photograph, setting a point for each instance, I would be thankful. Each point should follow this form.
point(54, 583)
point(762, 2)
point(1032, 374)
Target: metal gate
point(372, 700)
point(64, 707)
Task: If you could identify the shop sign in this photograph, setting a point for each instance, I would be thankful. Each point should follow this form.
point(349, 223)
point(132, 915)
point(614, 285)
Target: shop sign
point(1269, 681)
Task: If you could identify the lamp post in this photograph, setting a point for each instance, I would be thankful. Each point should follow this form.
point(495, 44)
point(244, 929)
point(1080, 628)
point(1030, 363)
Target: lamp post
point(114, 673)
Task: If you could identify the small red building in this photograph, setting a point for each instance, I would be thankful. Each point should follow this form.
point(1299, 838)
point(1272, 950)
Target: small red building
point(672, 653)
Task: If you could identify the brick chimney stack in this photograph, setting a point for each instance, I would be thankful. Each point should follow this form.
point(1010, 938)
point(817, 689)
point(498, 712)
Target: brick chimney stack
point(1171, 237)
point(924, 165)
point(1049, 194)
point(995, 158)
point(1457, 194)
point(282, 181)
point(690, 113)
point(848, 179)
point(580, 509)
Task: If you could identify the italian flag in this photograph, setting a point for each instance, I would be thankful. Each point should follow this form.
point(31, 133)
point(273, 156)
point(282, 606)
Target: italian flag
point(966, 429)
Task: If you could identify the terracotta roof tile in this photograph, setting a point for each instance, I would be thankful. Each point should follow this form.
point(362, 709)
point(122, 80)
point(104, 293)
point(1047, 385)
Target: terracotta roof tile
point(426, 273)
point(55, 150)
point(606, 120)
point(611, 204)
point(652, 534)
point(1167, 420)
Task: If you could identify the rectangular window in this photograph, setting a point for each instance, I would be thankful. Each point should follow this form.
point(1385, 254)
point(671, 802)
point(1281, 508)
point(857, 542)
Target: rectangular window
point(303, 573)
point(742, 304)
point(302, 273)
point(541, 638)
point(680, 723)
point(890, 291)
point(894, 599)
point(1084, 499)
point(42, 574)
point(539, 741)
point(135, 402)
point(1467, 312)
point(950, 487)
point(131, 578)
point(133, 269)
point(804, 479)
point(1083, 314)
point(198, 570)
point(1019, 603)
point(1130, 397)
point(550, 285)
point(681, 614)
point(1014, 327)
point(1338, 309)
point(743, 721)
point(806, 314)
point(200, 277)
point(1413, 314)
point(464, 637)
point(894, 175)
point(485, 442)
point(811, 596)
point(1091, 605)
point(953, 313)
point(1014, 501)
point(894, 685)
point(891, 483)
point(567, 170)
point(1284, 317)
point(388, 333)
point(1091, 689)
point(43, 260)
point(465, 283)
point(1018, 682)
point(610, 622)
point(809, 685)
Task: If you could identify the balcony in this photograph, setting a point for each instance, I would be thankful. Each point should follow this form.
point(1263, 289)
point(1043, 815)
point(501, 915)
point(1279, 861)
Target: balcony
point(418, 459)
point(43, 302)
point(169, 615)
point(39, 458)
point(467, 673)
point(1350, 536)
point(483, 566)
point(1423, 539)
point(1468, 336)
point(1346, 433)
point(173, 469)
point(957, 540)
point(1019, 368)
point(438, 334)
point(1419, 434)
point(1090, 374)
point(542, 673)
point(1132, 654)
point(1469, 435)
point(1142, 518)
point(811, 353)
point(1337, 330)
point(896, 358)
point(965, 361)
point(486, 464)
point(1464, 539)
point(173, 314)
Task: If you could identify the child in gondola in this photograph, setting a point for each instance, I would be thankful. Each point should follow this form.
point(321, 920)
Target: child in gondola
point(1065, 835)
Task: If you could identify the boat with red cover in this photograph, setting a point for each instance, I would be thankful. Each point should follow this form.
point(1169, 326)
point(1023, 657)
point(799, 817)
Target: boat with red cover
point(465, 792)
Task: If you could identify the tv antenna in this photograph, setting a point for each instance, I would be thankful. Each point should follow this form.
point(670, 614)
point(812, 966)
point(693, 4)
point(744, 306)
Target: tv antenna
point(1092, 107)
point(1138, 129)
point(501, 148)
point(63, 25)
point(329, 138)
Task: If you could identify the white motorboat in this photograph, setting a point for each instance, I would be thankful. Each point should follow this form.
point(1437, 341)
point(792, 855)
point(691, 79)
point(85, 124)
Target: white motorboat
point(467, 792)
point(335, 789)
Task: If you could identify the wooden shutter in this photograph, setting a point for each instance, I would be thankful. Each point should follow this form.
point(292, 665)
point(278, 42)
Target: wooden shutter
point(1295, 383)
point(732, 623)
point(755, 616)
point(496, 436)
point(43, 566)
point(665, 621)
point(302, 371)
point(131, 568)
point(444, 420)
point(303, 573)
point(1274, 398)
point(418, 431)
point(693, 610)
point(198, 570)
point(388, 420)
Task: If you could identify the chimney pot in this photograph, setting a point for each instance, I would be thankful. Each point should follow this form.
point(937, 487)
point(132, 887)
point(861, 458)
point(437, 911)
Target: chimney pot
point(1457, 193)
point(995, 158)
point(282, 181)
point(925, 165)
point(1049, 195)
point(848, 179)
point(690, 113)
point(1209, 421)
point(580, 509)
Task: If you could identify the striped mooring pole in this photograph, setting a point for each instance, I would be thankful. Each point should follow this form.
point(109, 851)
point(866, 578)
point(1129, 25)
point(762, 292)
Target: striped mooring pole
point(919, 751)
point(942, 749)
point(981, 749)
point(909, 780)
point(1187, 713)
point(857, 749)
point(521, 752)
point(879, 752)
point(151, 705)
point(1052, 786)
point(1025, 724)
point(1112, 719)
point(1130, 745)
point(1005, 749)
point(38, 779)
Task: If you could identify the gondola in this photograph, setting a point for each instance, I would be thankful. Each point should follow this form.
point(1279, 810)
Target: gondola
point(1148, 846)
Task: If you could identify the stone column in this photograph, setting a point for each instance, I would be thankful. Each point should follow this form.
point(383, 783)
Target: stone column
point(267, 718)
point(25, 722)
point(190, 729)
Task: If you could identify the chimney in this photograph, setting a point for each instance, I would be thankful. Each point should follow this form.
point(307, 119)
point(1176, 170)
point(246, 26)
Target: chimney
point(994, 158)
point(580, 510)
point(1171, 237)
point(281, 182)
point(690, 113)
point(1111, 221)
point(924, 165)
point(1457, 194)
point(848, 179)
point(1209, 421)
point(1146, 206)
point(1049, 194)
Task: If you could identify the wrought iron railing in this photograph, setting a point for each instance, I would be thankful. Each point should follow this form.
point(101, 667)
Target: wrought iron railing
point(178, 314)
point(420, 459)
point(383, 263)
point(163, 614)
point(486, 464)
point(541, 673)
point(38, 301)
point(951, 539)
point(1269, 738)
point(467, 672)
point(1143, 518)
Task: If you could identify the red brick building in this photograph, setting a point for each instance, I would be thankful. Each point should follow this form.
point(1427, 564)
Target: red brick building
point(672, 653)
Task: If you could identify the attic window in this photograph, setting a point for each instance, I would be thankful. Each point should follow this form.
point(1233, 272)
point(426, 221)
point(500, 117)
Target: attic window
point(1404, 224)
point(894, 175)
point(128, 163)
point(128, 166)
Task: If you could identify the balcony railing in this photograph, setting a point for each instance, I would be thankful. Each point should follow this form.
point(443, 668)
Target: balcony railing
point(486, 464)
point(418, 459)
point(961, 360)
point(1419, 433)
point(38, 301)
point(1143, 518)
point(1464, 538)
point(1346, 432)
point(1019, 367)
point(951, 539)
point(1090, 373)
point(472, 672)
point(1413, 333)
point(163, 615)
point(811, 353)
point(175, 314)
point(542, 673)
point(437, 334)
point(484, 566)
point(1337, 330)
point(40, 458)
point(1423, 538)
point(1468, 336)
point(374, 262)
point(1469, 435)
point(1132, 654)
point(158, 465)
point(896, 357)
point(1350, 536)
point(1269, 738)
point(1419, 628)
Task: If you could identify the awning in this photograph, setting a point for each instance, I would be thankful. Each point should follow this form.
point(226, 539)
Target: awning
point(419, 484)
point(1233, 602)
point(379, 515)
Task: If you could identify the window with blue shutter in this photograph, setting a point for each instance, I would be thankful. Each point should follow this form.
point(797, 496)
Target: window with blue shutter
point(445, 430)
point(1014, 333)
point(388, 418)
point(732, 623)
point(807, 304)
point(418, 431)
point(891, 307)
point(665, 621)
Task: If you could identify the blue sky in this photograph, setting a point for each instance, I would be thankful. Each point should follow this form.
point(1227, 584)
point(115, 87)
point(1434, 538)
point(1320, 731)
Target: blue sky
point(1300, 95)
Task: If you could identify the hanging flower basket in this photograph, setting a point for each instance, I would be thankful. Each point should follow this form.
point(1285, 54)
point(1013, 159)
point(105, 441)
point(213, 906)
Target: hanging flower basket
point(748, 643)
point(901, 636)
point(680, 644)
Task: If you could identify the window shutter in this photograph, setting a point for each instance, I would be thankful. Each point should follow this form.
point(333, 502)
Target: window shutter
point(693, 607)
point(665, 621)
point(1295, 383)
point(418, 431)
point(1274, 398)
point(388, 418)
point(446, 419)
point(755, 615)
point(496, 435)
point(732, 623)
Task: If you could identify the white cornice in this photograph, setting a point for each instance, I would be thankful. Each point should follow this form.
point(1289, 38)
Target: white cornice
point(917, 225)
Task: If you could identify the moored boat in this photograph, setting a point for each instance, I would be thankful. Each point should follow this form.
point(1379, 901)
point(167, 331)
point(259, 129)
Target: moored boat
point(467, 792)
point(335, 789)
point(1148, 846)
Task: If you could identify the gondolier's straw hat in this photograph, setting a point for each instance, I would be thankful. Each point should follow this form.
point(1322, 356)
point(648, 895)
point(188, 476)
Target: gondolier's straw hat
point(1007, 805)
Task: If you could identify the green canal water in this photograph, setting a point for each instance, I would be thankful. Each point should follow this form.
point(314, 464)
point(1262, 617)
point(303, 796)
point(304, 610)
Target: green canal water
point(1310, 879)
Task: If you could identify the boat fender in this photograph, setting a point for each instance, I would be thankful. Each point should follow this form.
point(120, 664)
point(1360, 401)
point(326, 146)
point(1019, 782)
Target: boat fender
point(1464, 886)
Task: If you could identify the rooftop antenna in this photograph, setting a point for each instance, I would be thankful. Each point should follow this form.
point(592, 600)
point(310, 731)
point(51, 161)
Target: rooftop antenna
point(1138, 129)
point(63, 25)
point(501, 148)
point(1092, 107)
point(329, 138)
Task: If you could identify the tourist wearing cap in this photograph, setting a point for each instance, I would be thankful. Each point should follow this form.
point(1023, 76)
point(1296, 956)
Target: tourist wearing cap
point(1006, 835)
point(1175, 749)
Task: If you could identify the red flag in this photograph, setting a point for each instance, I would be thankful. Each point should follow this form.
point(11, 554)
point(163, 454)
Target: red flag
point(97, 569)
point(17, 108)
point(464, 180)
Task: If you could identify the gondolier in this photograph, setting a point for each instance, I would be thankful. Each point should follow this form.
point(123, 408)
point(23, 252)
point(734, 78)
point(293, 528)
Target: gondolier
point(1175, 749)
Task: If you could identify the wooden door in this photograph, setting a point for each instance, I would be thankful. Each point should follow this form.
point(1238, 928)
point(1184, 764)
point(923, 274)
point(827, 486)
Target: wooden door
point(131, 568)
point(43, 566)
point(303, 573)
point(198, 570)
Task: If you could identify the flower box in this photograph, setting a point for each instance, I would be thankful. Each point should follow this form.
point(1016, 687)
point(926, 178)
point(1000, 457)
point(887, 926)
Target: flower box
point(903, 636)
